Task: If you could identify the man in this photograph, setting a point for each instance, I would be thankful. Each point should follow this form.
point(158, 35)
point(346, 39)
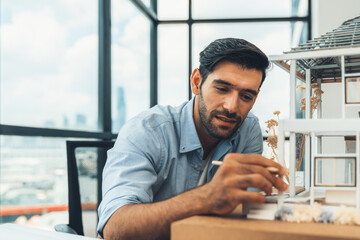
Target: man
point(160, 169)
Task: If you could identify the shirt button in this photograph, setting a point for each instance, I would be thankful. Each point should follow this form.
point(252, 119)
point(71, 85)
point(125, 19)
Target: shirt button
point(196, 166)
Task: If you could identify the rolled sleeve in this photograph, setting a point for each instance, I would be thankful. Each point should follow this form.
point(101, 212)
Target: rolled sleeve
point(130, 171)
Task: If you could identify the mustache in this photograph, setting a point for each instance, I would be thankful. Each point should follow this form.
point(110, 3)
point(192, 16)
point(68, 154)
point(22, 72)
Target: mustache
point(227, 114)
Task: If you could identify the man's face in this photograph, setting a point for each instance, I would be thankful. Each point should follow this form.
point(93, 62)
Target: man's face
point(226, 97)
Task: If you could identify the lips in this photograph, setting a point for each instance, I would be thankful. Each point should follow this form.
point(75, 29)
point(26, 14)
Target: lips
point(226, 121)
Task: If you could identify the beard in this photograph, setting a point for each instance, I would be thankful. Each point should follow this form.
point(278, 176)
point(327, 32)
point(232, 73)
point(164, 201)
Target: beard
point(206, 118)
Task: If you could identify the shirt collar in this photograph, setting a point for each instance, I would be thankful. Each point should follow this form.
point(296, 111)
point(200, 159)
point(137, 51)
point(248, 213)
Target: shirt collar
point(189, 139)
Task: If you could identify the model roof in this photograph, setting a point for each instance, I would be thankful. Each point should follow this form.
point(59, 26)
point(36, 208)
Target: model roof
point(316, 54)
point(347, 35)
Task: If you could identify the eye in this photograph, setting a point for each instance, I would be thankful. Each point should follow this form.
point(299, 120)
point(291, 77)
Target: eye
point(247, 97)
point(221, 89)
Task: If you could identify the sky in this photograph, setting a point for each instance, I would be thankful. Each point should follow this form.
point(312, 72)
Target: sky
point(48, 61)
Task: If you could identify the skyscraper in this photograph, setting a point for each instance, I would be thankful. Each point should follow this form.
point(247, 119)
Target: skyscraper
point(120, 109)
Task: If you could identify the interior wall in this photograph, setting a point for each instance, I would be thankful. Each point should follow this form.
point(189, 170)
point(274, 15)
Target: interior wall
point(330, 14)
point(331, 108)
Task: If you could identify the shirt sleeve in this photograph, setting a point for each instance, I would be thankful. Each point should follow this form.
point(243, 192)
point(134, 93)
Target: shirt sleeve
point(255, 139)
point(130, 170)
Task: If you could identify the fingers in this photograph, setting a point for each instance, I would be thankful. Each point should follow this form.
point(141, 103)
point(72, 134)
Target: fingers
point(280, 184)
point(252, 180)
point(239, 164)
point(248, 169)
point(254, 159)
point(272, 178)
point(250, 197)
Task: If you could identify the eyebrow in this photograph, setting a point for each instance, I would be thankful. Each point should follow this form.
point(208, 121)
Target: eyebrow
point(223, 82)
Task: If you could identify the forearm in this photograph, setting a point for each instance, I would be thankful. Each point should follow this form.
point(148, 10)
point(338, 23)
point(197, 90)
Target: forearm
point(152, 220)
point(221, 195)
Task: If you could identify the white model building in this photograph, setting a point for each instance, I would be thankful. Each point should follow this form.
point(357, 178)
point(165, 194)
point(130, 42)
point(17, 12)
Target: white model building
point(331, 163)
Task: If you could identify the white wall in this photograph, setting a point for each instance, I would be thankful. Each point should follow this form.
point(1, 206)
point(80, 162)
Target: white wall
point(330, 14)
point(331, 108)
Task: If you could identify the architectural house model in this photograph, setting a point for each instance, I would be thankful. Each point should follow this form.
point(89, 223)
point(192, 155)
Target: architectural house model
point(330, 169)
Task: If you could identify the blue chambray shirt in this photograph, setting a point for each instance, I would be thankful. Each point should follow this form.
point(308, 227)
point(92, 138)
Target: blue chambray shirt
point(158, 155)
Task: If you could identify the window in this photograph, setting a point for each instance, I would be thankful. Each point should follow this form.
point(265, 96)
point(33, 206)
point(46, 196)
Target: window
point(173, 9)
point(49, 64)
point(48, 94)
point(130, 52)
point(52, 84)
point(352, 90)
point(334, 171)
point(173, 64)
point(212, 9)
point(33, 177)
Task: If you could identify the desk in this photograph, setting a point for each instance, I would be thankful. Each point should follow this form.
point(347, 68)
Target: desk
point(233, 228)
point(17, 232)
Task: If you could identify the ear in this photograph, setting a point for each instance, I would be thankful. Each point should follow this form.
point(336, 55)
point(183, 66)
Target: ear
point(196, 81)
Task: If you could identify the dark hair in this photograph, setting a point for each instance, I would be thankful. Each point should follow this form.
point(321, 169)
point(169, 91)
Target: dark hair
point(238, 51)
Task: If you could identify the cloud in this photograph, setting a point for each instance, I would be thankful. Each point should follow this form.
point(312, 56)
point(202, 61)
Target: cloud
point(137, 35)
point(122, 11)
point(131, 65)
point(172, 9)
point(46, 72)
point(33, 37)
point(236, 9)
point(173, 64)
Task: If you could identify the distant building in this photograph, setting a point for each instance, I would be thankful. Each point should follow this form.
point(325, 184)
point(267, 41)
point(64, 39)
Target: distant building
point(80, 120)
point(120, 109)
point(65, 122)
point(49, 124)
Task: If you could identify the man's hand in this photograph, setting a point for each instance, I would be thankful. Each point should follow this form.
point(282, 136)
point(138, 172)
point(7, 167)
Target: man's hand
point(229, 185)
point(220, 196)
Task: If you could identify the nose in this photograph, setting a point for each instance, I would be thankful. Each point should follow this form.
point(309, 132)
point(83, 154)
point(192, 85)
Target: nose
point(231, 103)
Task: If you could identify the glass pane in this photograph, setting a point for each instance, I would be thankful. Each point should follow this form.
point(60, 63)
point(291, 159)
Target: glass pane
point(146, 3)
point(130, 46)
point(345, 170)
point(33, 181)
point(335, 171)
point(264, 35)
point(325, 169)
point(173, 47)
point(86, 159)
point(173, 9)
point(353, 90)
point(248, 9)
point(49, 63)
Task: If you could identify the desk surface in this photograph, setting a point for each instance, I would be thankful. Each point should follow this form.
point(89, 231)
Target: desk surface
point(17, 232)
point(231, 228)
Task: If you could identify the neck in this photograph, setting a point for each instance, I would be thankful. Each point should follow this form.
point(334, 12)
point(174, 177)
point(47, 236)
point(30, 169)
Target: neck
point(208, 149)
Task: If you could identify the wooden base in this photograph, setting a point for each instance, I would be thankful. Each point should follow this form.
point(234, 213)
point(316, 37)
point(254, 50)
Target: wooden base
point(230, 228)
